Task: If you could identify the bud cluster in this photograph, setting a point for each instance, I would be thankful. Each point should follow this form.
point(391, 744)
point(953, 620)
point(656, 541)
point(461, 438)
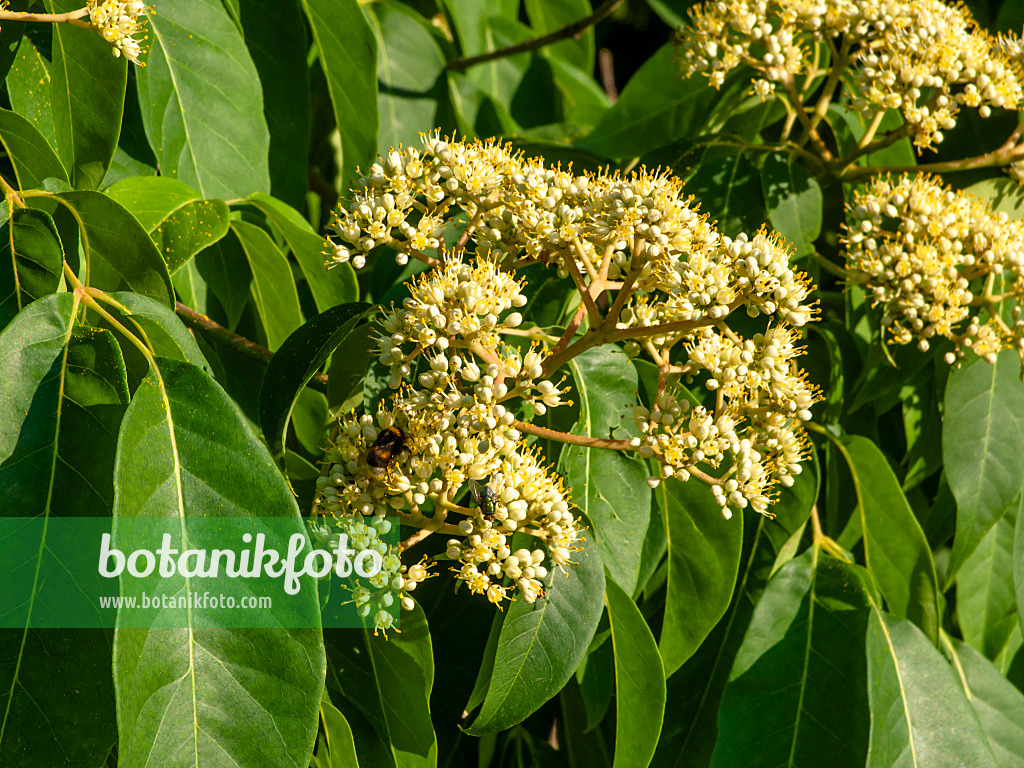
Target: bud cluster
point(941, 263)
point(118, 22)
point(924, 58)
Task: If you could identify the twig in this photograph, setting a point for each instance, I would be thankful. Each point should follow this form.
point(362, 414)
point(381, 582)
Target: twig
point(575, 29)
point(565, 437)
point(606, 65)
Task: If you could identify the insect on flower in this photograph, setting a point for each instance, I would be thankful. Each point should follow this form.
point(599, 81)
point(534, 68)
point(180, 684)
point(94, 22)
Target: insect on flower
point(389, 443)
point(484, 497)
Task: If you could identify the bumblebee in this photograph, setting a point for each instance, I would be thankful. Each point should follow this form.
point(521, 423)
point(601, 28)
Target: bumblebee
point(484, 497)
point(389, 443)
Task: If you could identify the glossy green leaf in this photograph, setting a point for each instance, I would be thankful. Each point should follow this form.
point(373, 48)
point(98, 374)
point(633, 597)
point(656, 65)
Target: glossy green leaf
point(583, 102)
point(1003, 194)
point(300, 357)
point(273, 288)
point(329, 287)
point(550, 15)
point(32, 157)
point(65, 392)
point(275, 34)
point(201, 101)
point(31, 261)
point(87, 89)
point(703, 560)
point(403, 668)
point(998, 703)
point(173, 686)
point(348, 55)
point(639, 681)
point(983, 448)
point(794, 201)
point(802, 653)
point(28, 87)
point(986, 605)
point(410, 67)
point(121, 255)
point(656, 107)
point(920, 717)
point(604, 483)
point(177, 220)
point(542, 643)
point(895, 548)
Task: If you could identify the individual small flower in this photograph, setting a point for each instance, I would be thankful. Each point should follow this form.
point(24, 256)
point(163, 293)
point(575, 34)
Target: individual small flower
point(931, 256)
point(118, 23)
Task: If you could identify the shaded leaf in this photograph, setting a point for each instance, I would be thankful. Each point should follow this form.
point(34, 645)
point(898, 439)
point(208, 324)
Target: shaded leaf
point(296, 362)
point(273, 288)
point(31, 261)
point(32, 157)
point(794, 201)
point(997, 702)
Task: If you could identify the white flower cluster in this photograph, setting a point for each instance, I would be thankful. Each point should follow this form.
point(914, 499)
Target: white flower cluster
point(675, 280)
point(925, 58)
point(941, 263)
point(118, 23)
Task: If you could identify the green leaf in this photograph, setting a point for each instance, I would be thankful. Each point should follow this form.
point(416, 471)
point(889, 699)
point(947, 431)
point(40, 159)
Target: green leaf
point(31, 261)
point(296, 362)
point(32, 157)
point(895, 548)
point(166, 334)
point(329, 287)
point(986, 605)
point(551, 15)
point(583, 102)
point(87, 90)
point(348, 55)
point(609, 487)
point(794, 201)
point(542, 643)
point(201, 101)
point(339, 743)
point(703, 560)
point(177, 220)
point(920, 717)
point(403, 667)
point(273, 288)
point(121, 255)
point(275, 34)
point(28, 86)
point(729, 188)
point(174, 686)
point(64, 391)
point(639, 681)
point(410, 67)
point(997, 702)
point(656, 107)
point(982, 448)
point(803, 652)
point(1003, 194)
point(225, 269)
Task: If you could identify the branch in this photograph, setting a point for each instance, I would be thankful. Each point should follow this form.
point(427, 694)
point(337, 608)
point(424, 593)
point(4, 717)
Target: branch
point(69, 17)
point(576, 29)
point(565, 437)
point(242, 345)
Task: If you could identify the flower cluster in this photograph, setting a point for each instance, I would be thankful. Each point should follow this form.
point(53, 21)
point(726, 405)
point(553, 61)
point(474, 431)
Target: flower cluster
point(118, 23)
point(941, 263)
point(459, 385)
point(924, 58)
